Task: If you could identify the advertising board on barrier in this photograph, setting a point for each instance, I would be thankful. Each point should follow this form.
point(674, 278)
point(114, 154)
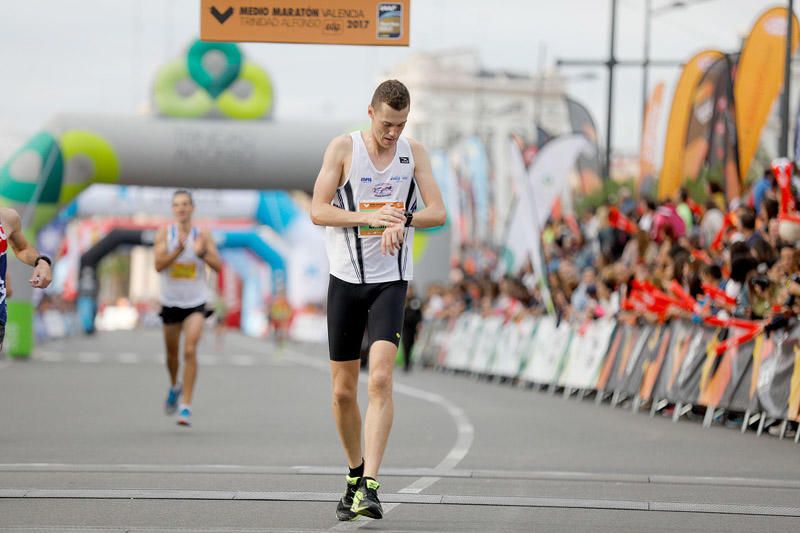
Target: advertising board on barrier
point(461, 346)
point(677, 361)
point(586, 354)
point(680, 340)
point(550, 344)
point(511, 347)
point(486, 345)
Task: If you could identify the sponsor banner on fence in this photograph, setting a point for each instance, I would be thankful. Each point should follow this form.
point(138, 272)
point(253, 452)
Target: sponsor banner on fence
point(512, 347)
point(586, 355)
point(677, 361)
point(546, 358)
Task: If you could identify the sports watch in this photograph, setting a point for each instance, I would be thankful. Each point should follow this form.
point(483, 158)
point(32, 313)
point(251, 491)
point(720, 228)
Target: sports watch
point(409, 217)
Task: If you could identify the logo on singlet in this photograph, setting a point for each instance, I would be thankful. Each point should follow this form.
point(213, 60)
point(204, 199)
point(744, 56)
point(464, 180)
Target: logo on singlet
point(404, 160)
point(382, 190)
point(366, 179)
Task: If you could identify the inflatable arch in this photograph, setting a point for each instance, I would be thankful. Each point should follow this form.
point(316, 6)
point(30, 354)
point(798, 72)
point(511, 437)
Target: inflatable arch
point(275, 209)
point(210, 131)
point(88, 284)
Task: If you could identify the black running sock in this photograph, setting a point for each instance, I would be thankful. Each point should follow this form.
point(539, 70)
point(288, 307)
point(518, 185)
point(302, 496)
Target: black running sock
point(357, 471)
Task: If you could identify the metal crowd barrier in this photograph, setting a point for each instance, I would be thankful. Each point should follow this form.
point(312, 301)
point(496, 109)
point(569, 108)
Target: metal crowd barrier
point(673, 365)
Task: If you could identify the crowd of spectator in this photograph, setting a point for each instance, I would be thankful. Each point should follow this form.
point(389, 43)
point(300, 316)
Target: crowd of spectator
point(735, 258)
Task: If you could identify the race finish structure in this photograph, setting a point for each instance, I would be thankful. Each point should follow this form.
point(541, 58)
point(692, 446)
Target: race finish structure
point(354, 22)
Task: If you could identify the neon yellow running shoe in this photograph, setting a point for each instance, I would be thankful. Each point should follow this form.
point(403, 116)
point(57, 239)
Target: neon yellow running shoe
point(365, 500)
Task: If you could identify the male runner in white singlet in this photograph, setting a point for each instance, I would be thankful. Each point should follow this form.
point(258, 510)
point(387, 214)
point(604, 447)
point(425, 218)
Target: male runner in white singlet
point(182, 253)
point(366, 195)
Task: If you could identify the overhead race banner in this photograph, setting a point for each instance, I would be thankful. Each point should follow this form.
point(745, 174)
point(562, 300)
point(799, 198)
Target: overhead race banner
point(672, 169)
point(759, 79)
point(354, 22)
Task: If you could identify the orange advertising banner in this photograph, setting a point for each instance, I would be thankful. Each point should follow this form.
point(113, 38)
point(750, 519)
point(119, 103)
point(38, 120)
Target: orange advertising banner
point(674, 146)
point(354, 22)
point(759, 79)
point(647, 158)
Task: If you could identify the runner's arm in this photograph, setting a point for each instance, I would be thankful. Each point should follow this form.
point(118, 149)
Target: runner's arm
point(433, 214)
point(325, 214)
point(211, 255)
point(162, 256)
point(25, 252)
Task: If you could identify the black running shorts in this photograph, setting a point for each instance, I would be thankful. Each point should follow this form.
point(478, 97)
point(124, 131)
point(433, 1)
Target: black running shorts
point(176, 315)
point(354, 307)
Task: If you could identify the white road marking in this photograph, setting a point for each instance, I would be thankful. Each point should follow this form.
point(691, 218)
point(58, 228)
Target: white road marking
point(529, 475)
point(208, 360)
point(129, 358)
point(243, 360)
point(89, 357)
point(396, 499)
point(419, 485)
point(49, 356)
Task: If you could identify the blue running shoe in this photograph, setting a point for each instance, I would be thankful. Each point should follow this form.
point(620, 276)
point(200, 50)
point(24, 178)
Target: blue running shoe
point(174, 394)
point(183, 417)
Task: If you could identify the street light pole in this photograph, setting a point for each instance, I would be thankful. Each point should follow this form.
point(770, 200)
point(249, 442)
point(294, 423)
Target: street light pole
point(612, 61)
point(783, 147)
point(646, 62)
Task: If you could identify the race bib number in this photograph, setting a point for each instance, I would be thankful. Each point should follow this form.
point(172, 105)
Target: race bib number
point(183, 271)
point(371, 207)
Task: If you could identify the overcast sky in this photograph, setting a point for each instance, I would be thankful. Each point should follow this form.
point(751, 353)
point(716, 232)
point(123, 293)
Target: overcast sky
point(100, 55)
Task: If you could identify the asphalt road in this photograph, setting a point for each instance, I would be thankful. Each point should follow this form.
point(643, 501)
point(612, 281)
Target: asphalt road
point(84, 445)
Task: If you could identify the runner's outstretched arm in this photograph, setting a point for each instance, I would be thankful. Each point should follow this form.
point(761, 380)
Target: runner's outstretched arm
point(25, 252)
point(329, 179)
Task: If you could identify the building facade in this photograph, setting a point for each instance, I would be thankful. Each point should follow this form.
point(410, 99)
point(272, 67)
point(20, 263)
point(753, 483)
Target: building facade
point(454, 98)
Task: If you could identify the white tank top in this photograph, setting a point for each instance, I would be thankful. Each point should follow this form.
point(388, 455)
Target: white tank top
point(354, 253)
point(183, 283)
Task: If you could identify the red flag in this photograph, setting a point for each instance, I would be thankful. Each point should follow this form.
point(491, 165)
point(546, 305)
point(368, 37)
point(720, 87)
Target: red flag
point(686, 301)
point(620, 221)
point(717, 294)
point(733, 342)
point(782, 169)
point(726, 223)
